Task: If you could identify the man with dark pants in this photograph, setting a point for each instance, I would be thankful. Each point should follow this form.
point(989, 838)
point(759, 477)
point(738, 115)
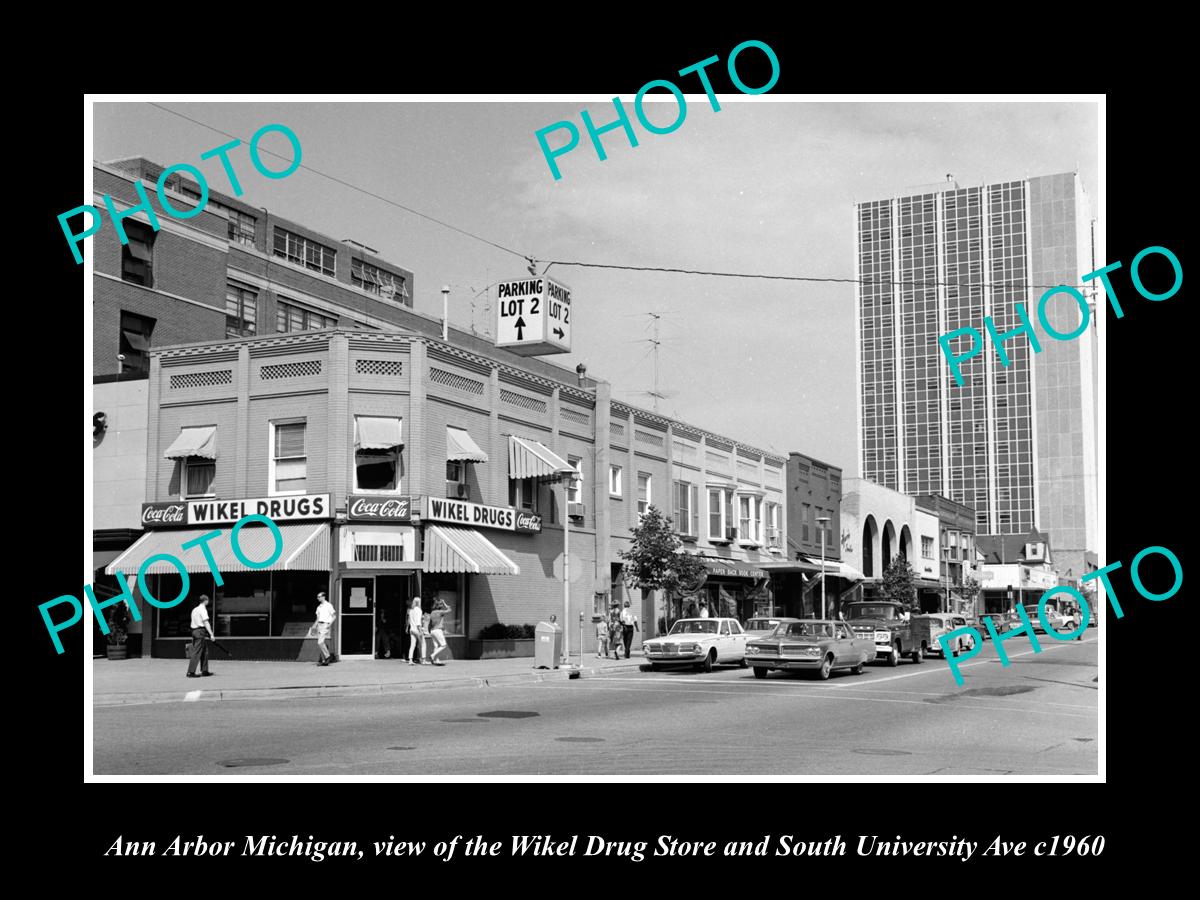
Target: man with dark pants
point(628, 624)
point(202, 633)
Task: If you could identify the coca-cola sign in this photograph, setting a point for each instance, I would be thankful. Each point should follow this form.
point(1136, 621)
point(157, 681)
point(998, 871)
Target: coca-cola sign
point(529, 523)
point(380, 508)
point(157, 514)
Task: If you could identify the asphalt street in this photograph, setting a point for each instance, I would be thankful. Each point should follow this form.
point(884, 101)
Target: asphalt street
point(1036, 717)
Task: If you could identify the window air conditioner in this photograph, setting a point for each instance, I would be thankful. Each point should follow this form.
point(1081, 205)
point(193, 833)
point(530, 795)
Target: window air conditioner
point(576, 510)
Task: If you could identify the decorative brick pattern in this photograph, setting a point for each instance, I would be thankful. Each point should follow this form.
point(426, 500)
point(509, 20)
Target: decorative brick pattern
point(574, 415)
point(648, 437)
point(616, 429)
point(456, 381)
point(201, 379)
point(524, 402)
point(291, 370)
point(391, 367)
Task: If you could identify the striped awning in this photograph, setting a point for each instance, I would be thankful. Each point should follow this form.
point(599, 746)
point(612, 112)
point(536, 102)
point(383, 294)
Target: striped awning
point(200, 442)
point(376, 433)
point(531, 459)
point(461, 448)
point(464, 550)
point(305, 549)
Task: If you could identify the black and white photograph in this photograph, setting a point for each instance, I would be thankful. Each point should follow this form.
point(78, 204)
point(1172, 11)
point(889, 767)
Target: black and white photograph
point(599, 439)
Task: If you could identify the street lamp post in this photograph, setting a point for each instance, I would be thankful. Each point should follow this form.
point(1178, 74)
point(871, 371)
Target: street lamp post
point(568, 483)
point(821, 520)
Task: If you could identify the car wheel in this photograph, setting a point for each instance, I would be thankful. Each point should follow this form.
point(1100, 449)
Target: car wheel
point(742, 662)
point(894, 657)
point(826, 668)
point(760, 671)
point(858, 670)
point(707, 665)
point(917, 656)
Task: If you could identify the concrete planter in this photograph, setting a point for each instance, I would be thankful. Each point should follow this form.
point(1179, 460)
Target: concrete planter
point(500, 649)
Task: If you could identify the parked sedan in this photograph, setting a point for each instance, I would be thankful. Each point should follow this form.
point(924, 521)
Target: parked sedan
point(815, 645)
point(698, 642)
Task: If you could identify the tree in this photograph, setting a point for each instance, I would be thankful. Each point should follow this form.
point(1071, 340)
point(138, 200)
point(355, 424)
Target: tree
point(898, 582)
point(657, 561)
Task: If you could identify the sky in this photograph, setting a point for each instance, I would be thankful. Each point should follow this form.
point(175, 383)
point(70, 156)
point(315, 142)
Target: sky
point(764, 186)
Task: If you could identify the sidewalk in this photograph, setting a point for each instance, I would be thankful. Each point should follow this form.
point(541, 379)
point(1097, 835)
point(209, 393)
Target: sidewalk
point(163, 680)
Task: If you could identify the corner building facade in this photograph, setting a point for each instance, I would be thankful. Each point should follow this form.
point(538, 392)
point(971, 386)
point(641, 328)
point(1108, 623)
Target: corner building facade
point(396, 464)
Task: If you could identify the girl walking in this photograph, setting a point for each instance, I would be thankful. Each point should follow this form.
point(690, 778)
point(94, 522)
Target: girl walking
point(415, 631)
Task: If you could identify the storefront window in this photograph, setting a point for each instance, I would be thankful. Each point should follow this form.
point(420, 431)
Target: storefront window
point(248, 604)
point(177, 621)
point(294, 601)
point(449, 587)
point(243, 605)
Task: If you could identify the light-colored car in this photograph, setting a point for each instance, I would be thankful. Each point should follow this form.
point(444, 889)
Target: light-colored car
point(931, 626)
point(814, 645)
point(703, 643)
point(761, 626)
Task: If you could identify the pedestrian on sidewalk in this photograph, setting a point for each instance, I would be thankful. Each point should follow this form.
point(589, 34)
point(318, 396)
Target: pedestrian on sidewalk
point(601, 638)
point(436, 615)
point(629, 624)
point(202, 633)
point(325, 617)
point(704, 609)
point(614, 630)
point(414, 632)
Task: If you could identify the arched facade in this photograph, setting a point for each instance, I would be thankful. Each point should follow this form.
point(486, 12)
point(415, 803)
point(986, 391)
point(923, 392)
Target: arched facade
point(906, 543)
point(887, 546)
point(870, 540)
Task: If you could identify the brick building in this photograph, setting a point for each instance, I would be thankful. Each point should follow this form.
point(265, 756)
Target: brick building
point(245, 336)
point(395, 463)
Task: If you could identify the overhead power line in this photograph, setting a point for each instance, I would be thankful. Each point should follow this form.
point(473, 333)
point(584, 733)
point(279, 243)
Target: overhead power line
point(806, 278)
point(353, 187)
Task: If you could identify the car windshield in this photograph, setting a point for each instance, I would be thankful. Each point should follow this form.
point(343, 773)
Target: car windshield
point(808, 629)
point(870, 611)
point(761, 624)
point(694, 626)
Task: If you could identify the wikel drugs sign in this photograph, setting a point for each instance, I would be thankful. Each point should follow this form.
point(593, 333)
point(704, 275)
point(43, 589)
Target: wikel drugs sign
point(226, 512)
point(476, 515)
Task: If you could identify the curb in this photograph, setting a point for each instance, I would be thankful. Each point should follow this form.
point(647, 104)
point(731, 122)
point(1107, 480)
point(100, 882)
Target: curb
point(350, 690)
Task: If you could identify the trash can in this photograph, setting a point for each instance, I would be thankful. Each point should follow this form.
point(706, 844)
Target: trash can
point(547, 645)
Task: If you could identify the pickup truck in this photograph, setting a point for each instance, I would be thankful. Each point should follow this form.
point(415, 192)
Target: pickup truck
point(884, 622)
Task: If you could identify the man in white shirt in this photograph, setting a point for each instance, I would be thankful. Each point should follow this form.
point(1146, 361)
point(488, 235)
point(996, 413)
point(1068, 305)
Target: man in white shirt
point(628, 624)
point(202, 633)
point(704, 609)
point(325, 616)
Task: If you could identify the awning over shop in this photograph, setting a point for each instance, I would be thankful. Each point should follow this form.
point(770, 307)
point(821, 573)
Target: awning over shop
point(305, 549)
point(200, 442)
point(461, 448)
point(532, 459)
point(464, 550)
point(808, 565)
point(376, 433)
point(733, 568)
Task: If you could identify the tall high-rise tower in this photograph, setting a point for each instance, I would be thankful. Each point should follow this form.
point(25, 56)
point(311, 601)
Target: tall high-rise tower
point(1017, 443)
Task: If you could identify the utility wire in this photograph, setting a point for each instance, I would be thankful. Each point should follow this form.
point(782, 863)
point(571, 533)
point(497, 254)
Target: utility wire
point(666, 269)
point(808, 278)
point(353, 187)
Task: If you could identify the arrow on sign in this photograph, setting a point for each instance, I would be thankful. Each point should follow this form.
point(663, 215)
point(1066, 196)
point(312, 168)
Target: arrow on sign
point(520, 324)
point(560, 333)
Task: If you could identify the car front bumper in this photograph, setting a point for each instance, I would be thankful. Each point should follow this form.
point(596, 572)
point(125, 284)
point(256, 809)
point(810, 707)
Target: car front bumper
point(761, 662)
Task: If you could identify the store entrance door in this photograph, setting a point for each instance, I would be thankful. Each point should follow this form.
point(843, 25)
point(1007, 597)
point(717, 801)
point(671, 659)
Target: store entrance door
point(356, 637)
point(391, 604)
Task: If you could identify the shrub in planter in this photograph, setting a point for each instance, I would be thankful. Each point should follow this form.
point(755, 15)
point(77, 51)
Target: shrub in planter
point(118, 632)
